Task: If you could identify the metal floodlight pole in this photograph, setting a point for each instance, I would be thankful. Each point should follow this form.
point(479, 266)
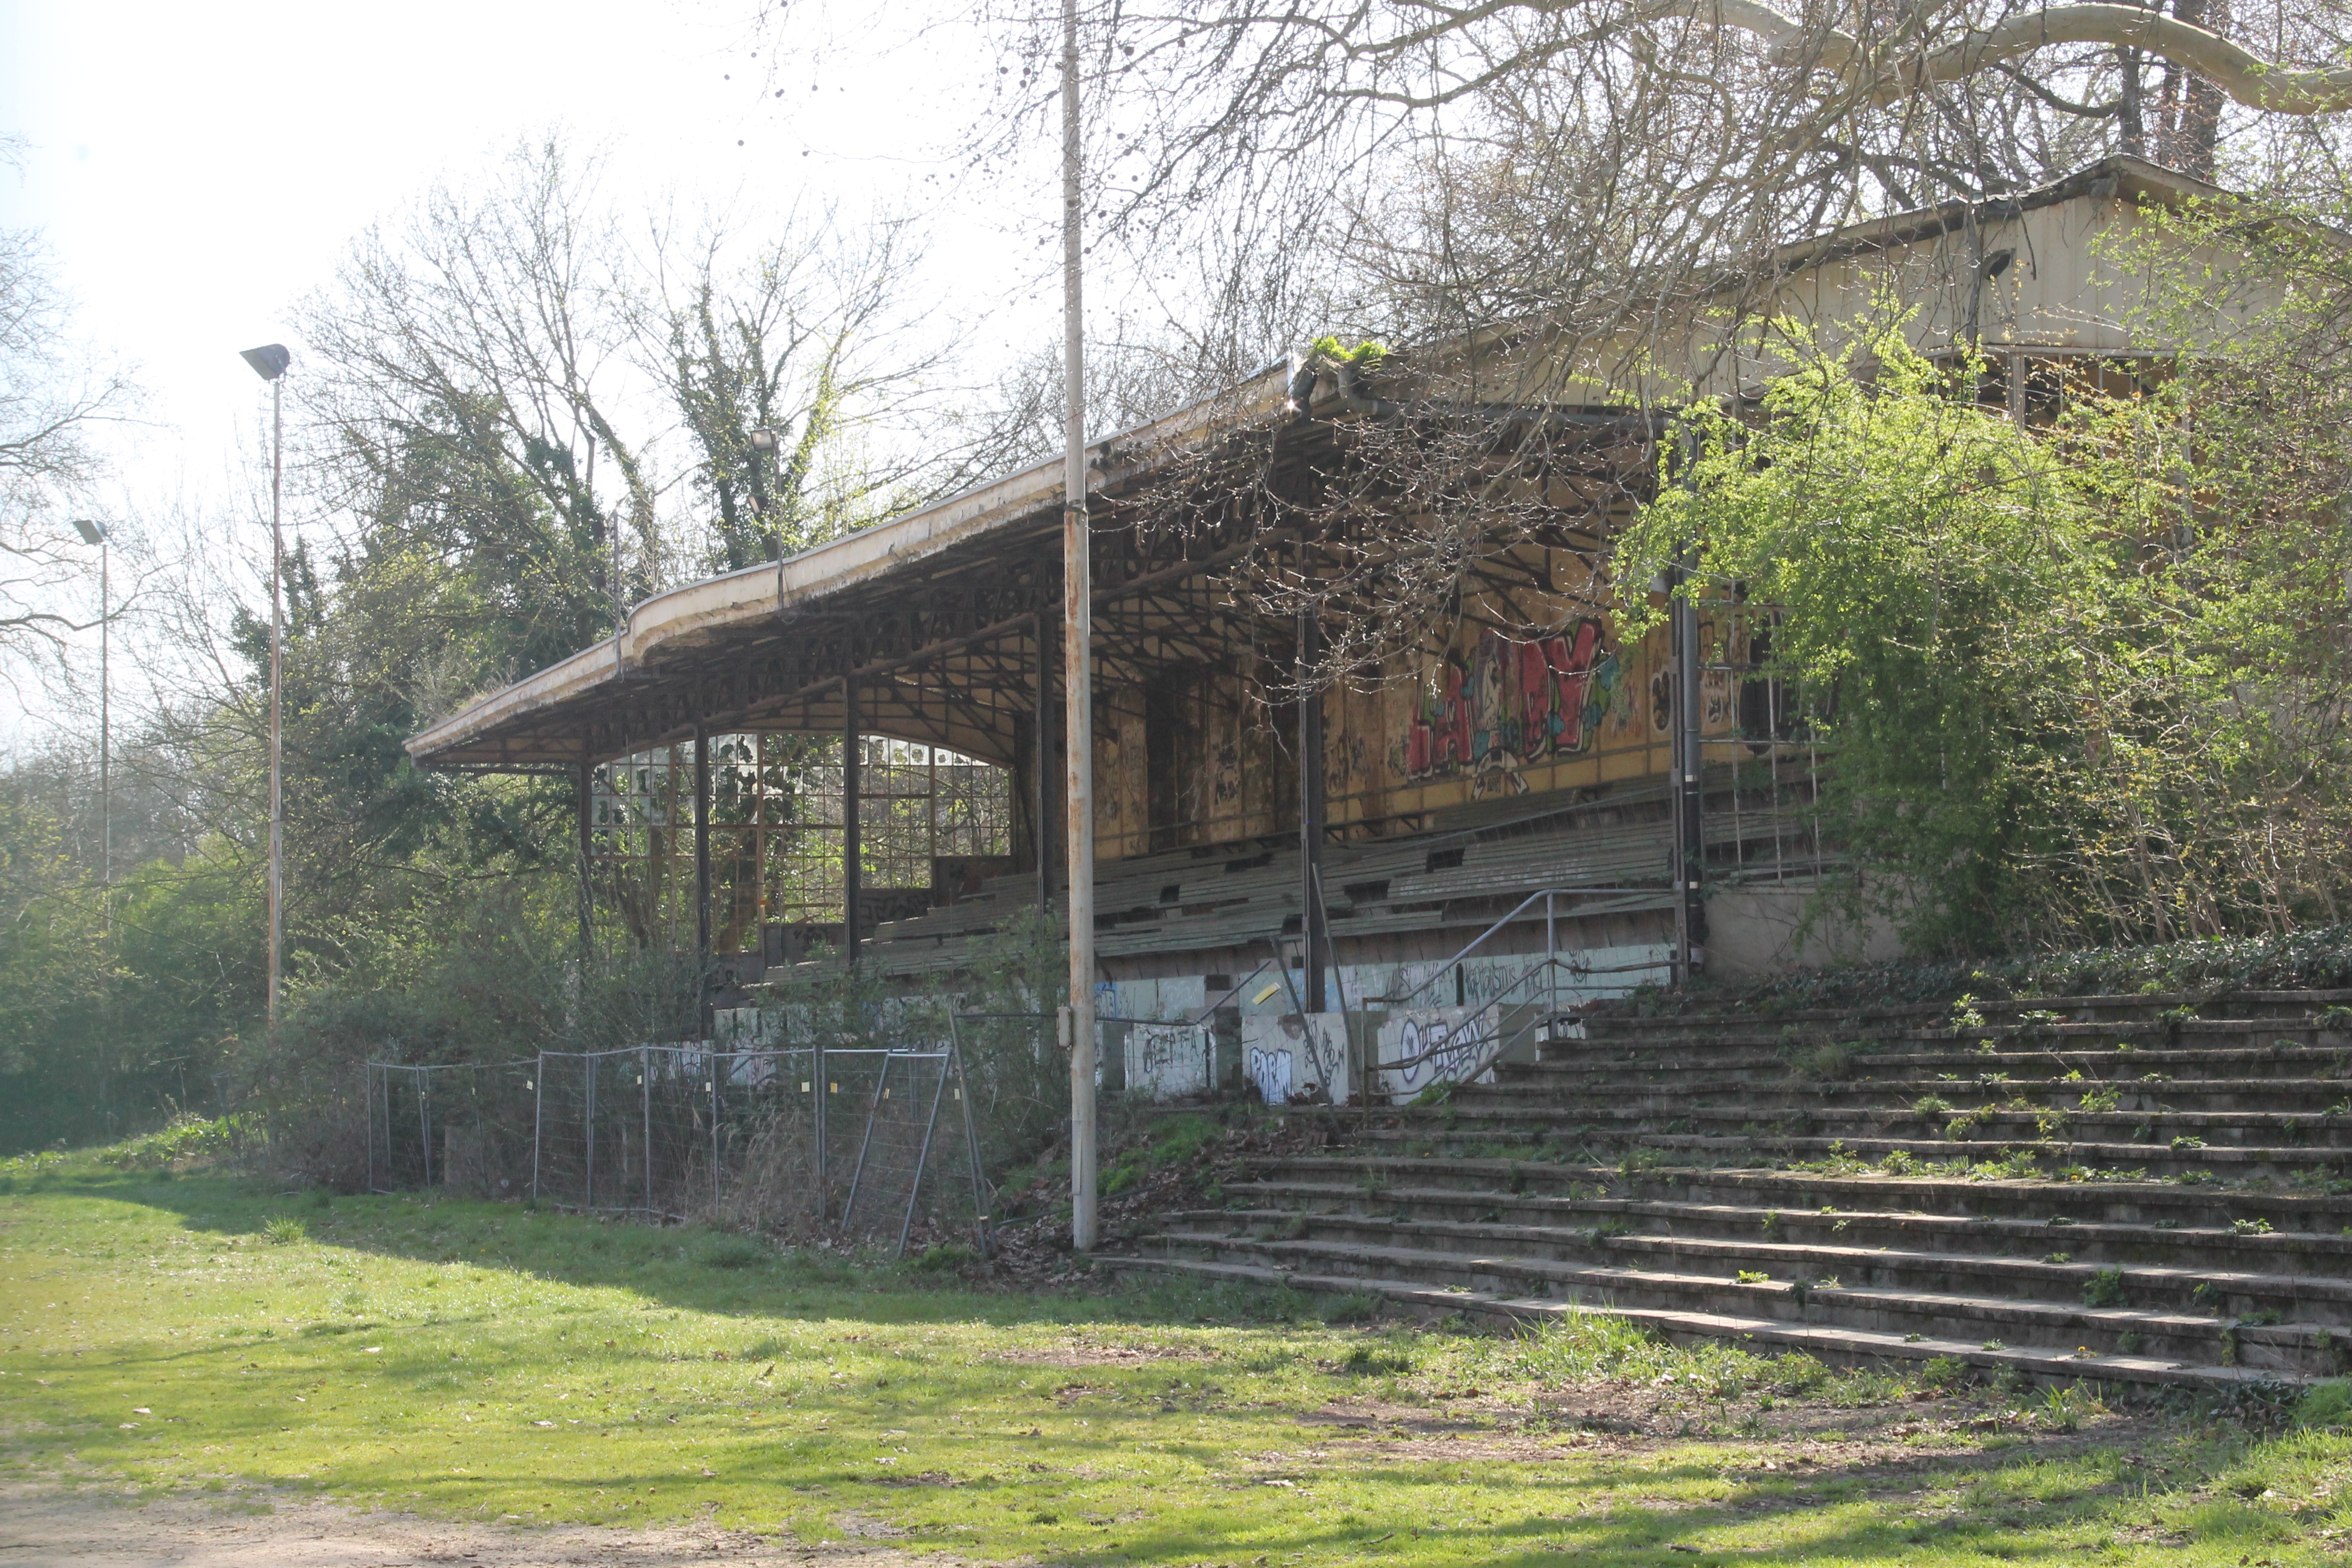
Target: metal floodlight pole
point(1078, 617)
point(270, 362)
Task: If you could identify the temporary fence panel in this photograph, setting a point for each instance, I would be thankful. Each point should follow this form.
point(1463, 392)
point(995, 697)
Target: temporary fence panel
point(902, 1110)
point(630, 1130)
point(770, 1125)
point(843, 1140)
point(461, 1125)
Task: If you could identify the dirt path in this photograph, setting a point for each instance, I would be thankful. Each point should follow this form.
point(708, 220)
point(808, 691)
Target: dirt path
point(49, 1527)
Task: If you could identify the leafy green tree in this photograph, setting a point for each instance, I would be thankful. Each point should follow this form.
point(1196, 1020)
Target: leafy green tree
point(2065, 697)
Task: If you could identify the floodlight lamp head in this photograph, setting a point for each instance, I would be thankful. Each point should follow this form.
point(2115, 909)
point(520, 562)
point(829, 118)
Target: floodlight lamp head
point(270, 360)
point(767, 438)
point(91, 531)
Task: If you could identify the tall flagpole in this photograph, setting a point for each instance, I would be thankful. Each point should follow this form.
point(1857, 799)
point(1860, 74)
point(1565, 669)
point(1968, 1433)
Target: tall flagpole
point(1077, 628)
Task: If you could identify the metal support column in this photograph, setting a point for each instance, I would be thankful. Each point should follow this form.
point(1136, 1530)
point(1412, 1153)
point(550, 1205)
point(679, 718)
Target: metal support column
point(1043, 774)
point(852, 748)
point(1689, 794)
point(1313, 934)
point(818, 1164)
point(702, 846)
point(583, 804)
point(592, 1066)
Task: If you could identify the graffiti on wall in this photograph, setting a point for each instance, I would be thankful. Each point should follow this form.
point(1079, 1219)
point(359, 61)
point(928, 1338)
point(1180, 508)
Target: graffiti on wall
point(1288, 1059)
point(1269, 1073)
point(1165, 1061)
point(1433, 1045)
point(1513, 704)
point(1721, 646)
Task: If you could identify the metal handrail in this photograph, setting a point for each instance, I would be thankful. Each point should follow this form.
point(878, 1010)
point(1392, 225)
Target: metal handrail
point(1551, 933)
point(1499, 1043)
point(1494, 1001)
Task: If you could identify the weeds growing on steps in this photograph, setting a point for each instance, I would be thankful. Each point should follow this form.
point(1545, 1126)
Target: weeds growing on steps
point(2318, 958)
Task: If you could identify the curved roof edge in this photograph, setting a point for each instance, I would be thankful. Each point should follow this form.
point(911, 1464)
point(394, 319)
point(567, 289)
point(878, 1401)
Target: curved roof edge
point(677, 618)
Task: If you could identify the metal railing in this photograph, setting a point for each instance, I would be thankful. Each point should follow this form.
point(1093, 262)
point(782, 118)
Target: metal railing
point(1549, 897)
point(1469, 1064)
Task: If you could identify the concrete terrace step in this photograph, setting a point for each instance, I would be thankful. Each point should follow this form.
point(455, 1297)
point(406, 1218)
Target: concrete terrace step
point(1999, 1120)
point(2315, 1096)
point(2207, 1293)
point(2260, 1037)
point(2019, 1012)
point(2205, 1252)
point(1693, 1071)
point(2299, 1348)
point(2129, 1202)
point(2214, 1159)
point(1836, 1344)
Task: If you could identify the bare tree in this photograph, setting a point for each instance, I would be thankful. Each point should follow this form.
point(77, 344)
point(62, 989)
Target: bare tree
point(53, 394)
point(465, 391)
point(809, 336)
point(1570, 175)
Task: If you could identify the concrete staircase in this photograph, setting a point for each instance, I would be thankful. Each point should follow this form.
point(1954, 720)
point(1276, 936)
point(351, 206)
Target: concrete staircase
point(2134, 1189)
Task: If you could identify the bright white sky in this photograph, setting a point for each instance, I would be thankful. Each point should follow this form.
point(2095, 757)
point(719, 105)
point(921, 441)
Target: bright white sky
point(199, 168)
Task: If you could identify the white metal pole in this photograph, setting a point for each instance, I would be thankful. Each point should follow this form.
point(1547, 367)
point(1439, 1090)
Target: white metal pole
point(276, 692)
point(1078, 617)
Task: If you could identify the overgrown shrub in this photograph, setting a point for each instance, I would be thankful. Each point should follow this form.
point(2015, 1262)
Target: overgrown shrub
point(2075, 683)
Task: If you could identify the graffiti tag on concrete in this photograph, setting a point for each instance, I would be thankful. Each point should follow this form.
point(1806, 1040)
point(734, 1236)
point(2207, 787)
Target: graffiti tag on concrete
point(1270, 1074)
point(1165, 1061)
point(1433, 1045)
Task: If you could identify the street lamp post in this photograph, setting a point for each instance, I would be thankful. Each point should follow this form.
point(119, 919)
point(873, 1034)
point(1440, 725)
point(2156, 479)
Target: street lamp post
point(270, 362)
point(94, 532)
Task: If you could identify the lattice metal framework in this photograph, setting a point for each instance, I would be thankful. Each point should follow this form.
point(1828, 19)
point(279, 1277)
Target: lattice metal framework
point(776, 829)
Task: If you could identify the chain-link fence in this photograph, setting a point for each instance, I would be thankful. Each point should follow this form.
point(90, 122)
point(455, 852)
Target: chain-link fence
point(859, 1140)
point(461, 1125)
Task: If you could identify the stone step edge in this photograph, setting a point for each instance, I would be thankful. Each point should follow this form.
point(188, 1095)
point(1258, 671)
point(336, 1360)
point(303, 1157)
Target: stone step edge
point(2332, 1287)
point(1928, 1150)
point(1553, 1077)
point(1668, 1208)
point(2154, 999)
point(1835, 1342)
point(1493, 1104)
point(1762, 1177)
point(1751, 1035)
point(1992, 1308)
point(1730, 1214)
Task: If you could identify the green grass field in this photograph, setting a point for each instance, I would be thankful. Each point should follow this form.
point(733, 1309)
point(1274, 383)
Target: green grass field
point(484, 1362)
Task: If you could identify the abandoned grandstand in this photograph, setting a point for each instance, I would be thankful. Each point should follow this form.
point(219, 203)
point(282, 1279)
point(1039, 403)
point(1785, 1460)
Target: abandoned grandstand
point(1402, 851)
point(1434, 879)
